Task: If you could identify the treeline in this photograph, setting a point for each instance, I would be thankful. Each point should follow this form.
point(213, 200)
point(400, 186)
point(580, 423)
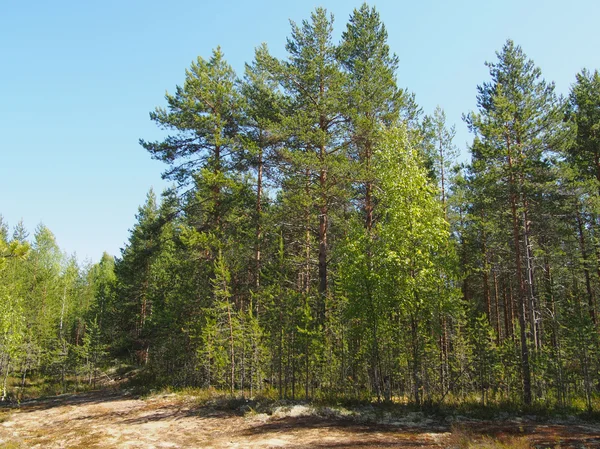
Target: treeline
point(322, 242)
point(49, 309)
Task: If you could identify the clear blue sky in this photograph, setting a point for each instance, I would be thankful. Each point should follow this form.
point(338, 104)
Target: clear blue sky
point(78, 79)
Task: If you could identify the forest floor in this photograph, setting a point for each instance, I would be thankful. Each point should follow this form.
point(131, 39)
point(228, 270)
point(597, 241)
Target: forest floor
point(116, 419)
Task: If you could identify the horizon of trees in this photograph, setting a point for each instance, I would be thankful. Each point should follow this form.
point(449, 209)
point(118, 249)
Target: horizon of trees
point(321, 241)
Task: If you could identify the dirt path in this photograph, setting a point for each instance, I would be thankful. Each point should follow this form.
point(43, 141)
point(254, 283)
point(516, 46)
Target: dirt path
point(114, 420)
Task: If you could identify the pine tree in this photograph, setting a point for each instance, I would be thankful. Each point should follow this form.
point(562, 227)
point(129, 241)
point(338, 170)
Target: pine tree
point(583, 156)
point(263, 107)
point(516, 130)
point(375, 100)
point(205, 114)
point(584, 100)
point(312, 80)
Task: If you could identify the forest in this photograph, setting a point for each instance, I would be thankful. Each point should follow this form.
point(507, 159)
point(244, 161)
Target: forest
point(321, 241)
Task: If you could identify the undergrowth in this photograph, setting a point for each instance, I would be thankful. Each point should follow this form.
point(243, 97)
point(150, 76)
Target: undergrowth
point(268, 401)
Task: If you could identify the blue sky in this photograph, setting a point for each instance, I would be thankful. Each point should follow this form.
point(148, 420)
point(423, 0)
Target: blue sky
point(79, 78)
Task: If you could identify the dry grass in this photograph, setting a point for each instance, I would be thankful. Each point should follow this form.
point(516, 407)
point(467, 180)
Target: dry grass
point(4, 416)
point(463, 438)
point(11, 445)
point(83, 439)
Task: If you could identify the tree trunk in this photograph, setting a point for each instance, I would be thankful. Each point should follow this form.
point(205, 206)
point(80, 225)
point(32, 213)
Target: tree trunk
point(257, 255)
point(530, 280)
point(586, 269)
point(231, 346)
point(368, 190)
point(323, 210)
point(486, 282)
point(306, 280)
point(416, 365)
point(323, 228)
point(497, 304)
point(306, 367)
point(526, 372)
point(507, 311)
point(5, 380)
point(216, 188)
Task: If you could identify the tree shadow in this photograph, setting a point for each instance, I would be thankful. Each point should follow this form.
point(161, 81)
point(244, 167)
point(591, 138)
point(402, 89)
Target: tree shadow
point(348, 425)
point(356, 435)
point(365, 445)
point(167, 412)
point(67, 399)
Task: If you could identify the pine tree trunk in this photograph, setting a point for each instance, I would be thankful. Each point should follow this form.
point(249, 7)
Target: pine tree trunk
point(216, 188)
point(525, 367)
point(306, 280)
point(586, 270)
point(497, 308)
point(507, 312)
point(323, 216)
point(486, 282)
point(293, 370)
point(368, 190)
point(323, 225)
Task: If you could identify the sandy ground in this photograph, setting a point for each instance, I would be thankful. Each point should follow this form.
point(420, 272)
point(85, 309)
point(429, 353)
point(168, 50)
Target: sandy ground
point(115, 420)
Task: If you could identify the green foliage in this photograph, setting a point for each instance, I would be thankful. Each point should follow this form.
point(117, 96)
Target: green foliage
point(48, 309)
point(584, 152)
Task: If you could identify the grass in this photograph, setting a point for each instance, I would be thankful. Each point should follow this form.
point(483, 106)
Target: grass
point(11, 445)
point(78, 438)
point(82, 439)
point(39, 386)
point(464, 439)
point(4, 415)
point(453, 409)
point(219, 400)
